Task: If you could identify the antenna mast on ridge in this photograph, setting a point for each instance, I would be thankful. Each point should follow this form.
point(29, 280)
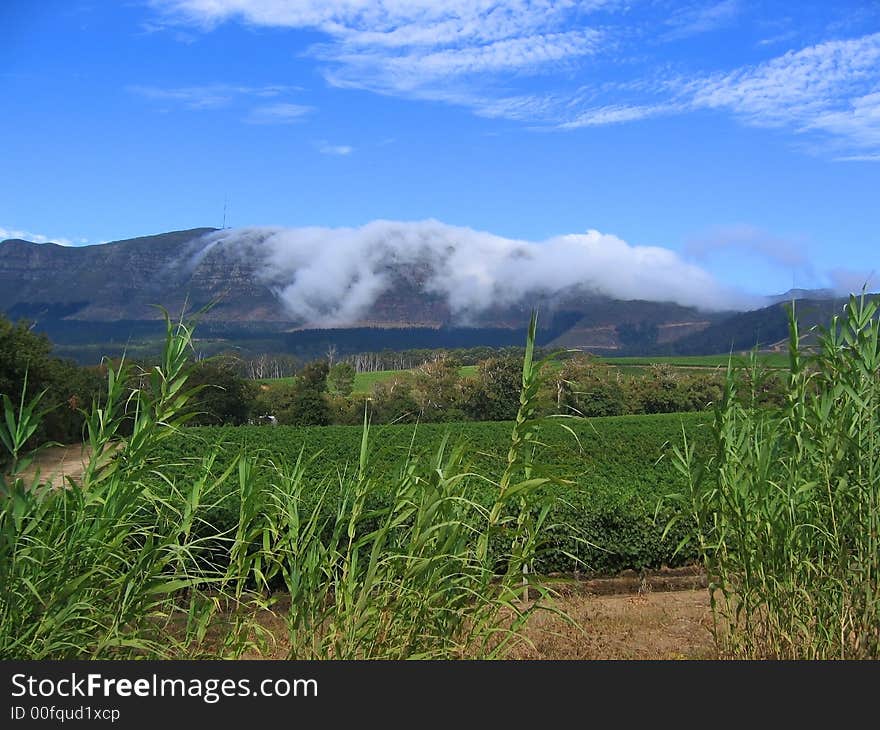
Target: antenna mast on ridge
point(225, 203)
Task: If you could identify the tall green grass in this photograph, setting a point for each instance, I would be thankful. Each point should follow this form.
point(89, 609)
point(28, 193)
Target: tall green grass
point(125, 563)
point(788, 503)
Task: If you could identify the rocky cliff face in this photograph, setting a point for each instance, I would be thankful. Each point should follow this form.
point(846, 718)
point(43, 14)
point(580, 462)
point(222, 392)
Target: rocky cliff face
point(124, 279)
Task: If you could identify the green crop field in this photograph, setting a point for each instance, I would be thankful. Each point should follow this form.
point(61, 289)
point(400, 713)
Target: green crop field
point(767, 359)
point(616, 471)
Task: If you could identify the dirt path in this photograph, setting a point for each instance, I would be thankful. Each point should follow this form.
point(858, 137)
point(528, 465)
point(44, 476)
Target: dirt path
point(655, 625)
point(662, 625)
point(56, 463)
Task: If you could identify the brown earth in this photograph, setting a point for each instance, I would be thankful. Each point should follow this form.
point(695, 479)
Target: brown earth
point(58, 463)
point(649, 625)
point(652, 625)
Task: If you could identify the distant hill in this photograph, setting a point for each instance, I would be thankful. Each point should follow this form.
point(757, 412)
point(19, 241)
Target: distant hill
point(795, 294)
point(765, 328)
point(95, 300)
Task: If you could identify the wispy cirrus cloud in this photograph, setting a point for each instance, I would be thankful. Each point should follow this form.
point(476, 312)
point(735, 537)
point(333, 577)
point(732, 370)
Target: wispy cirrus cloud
point(618, 113)
point(339, 150)
point(482, 54)
point(278, 114)
point(209, 96)
point(830, 89)
point(460, 52)
point(796, 87)
point(702, 18)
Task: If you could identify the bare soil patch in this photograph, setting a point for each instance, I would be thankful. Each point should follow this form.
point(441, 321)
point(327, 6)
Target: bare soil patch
point(652, 625)
point(56, 463)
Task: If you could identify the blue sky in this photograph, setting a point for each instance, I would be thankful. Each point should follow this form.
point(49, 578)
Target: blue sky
point(742, 135)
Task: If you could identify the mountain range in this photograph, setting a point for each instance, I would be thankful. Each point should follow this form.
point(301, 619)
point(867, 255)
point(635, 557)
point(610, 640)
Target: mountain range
point(98, 299)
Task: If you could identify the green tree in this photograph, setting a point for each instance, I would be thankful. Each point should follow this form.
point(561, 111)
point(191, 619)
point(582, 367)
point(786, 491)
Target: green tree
point(341, 378)
point(661, 391)
point(226, 397)
point(589, 389)
point(68, 387)
point(393, 401)
point(313, 376)
point(501, 380)
point(306, 408)
point(22, 351)
point(437, 387)
point(305, 402)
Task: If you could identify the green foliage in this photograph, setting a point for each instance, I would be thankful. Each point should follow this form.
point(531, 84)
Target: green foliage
point(374, 565)
point(787, 501)
point(436, 387)
point(225, 396)
point(301, 403)
point(306, 407)
point(27, 366)
point(393, 401)
point(768, 359)
point(500, 380)
point(313, 376)
point(341, 378)
point(577, 384)
point(87, 571)
point(587, 389)
point(602, 515)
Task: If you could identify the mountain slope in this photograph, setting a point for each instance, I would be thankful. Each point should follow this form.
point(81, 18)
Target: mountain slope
point(765, 328)
point(91, 296)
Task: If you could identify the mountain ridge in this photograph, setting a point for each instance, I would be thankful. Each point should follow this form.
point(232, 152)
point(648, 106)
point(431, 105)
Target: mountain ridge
point(107, 293)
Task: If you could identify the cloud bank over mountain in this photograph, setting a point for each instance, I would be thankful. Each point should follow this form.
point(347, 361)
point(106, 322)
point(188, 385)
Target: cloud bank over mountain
point(331, 276)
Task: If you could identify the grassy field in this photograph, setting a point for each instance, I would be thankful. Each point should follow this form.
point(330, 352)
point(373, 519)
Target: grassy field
point(767, 359)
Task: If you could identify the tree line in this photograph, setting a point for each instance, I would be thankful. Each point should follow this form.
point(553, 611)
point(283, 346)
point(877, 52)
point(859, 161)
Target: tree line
point(321, 393)
point(436, 391)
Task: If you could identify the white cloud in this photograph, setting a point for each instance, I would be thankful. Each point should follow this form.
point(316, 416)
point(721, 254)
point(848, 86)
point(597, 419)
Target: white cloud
point(476, 53)
point(331, 276)
point(831, 89)
point(615, 114)
point(341, 150)
point(278, 114)
point(793, 86)
point(850, 281)
point(211, 96)
point(34, 237)
point(859, 158)
point(702, 18)
point(454, 51)
point(778, 38)
point(788, 252)
point(394, 24)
